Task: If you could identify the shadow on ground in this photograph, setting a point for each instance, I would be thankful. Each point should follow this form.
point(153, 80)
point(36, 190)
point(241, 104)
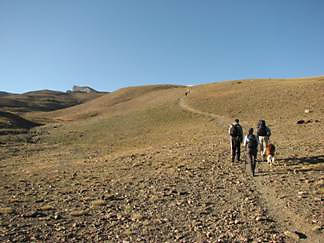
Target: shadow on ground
point(305, 160)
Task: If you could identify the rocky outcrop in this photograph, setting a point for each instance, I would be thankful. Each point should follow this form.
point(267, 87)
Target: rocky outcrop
point(83, 89)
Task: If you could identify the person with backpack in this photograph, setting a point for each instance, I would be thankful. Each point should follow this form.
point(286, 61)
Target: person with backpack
point(251, 143)
point(236, 138)
point(264, 134)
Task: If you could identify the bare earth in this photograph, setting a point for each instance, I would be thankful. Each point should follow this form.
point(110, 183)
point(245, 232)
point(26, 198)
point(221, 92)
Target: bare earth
point(175, 184)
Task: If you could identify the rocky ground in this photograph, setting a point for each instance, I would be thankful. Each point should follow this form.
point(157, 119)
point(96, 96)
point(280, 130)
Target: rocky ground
point(142, 196)
point(178, 192)
point(199, 198)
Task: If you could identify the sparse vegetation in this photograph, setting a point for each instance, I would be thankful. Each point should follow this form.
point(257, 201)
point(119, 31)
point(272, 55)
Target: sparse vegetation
point(135, 165)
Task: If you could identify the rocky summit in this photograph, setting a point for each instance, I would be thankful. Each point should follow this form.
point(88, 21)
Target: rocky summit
point(83, 89)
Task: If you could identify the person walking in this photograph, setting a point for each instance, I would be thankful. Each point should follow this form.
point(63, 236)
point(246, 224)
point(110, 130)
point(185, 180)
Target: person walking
point(251, 143)
point(236, 138)
point(264, 134)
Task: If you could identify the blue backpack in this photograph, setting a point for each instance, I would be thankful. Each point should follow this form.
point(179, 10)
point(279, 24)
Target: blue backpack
point(252, 141)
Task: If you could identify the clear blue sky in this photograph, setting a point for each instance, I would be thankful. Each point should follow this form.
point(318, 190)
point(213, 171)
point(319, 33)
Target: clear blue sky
point(108, 44)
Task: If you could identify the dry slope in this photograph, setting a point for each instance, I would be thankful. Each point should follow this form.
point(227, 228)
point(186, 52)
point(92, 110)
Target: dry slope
point(134, 165)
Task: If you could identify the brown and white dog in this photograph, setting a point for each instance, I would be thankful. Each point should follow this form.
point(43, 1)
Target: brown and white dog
point(270, 153)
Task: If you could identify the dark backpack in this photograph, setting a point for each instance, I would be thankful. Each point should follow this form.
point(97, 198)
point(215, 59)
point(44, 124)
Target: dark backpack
point(252, 142)
point(234, 131)
point(262, 131)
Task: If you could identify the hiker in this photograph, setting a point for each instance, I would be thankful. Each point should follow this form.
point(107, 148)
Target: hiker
point(251, 144)
point(187, 92)
point(264, 134)
point(236, 138)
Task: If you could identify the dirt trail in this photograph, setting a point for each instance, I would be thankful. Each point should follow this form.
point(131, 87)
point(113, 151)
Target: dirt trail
point(221, 120)
point(296, 226)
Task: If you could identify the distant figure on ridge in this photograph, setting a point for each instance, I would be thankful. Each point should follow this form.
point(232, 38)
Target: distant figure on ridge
point(264, 134)
point(251, 144)
point(236, 138)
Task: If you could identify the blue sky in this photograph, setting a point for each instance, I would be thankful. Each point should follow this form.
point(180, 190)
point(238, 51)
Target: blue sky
point(109, 44)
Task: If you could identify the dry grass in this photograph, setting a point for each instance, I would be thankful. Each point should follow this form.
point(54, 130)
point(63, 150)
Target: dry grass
point(281, 102)
point(141, 142)
point(150, 116)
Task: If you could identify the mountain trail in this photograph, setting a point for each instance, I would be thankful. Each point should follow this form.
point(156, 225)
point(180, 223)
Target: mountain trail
point(294, 225)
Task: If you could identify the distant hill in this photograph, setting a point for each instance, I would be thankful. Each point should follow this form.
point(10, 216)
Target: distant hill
point(43, 100)
point(44, 92)
point(149, 114)
point(4, 93)
point(121, 100)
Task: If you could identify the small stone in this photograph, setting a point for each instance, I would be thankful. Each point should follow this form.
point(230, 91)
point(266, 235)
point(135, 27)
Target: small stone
point(292, 235)
point(317, 229)
point(35, 214)
point(98, 203)
point(300, 122)
point(6, 210)
point(77, 213)
point(259, 218)
point(57, 216)
point(136, 217)
point(46, 208)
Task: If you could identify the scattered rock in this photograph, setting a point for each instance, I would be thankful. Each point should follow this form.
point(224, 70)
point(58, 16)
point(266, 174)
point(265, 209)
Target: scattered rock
point(35, 214)
point(260, 218)
point(77, 213)
point(317, 229)
point(319, 183)
point(57, 216)
point(136, 217)
point(6, 210)
point(307, 111)
point(301, 235)
point(300, 122)
point(292, 235)
point(98, 203)
point(46, 208)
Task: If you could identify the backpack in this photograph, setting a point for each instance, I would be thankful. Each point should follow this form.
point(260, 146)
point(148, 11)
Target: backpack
point(234, 131)
point(252, 142)
point(262, 131)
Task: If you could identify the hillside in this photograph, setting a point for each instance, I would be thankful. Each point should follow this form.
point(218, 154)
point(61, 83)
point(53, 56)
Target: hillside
point(151, 164)
point(43, 100)
point(9, 120)
point(4, 93)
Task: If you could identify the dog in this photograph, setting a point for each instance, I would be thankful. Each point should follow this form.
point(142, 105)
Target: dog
point(270, 153)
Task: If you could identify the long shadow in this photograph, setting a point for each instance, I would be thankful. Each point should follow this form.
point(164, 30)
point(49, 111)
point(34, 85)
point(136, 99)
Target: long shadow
point(292, 161)
point(19, 121)
point(304, 160)
point(270, 173)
